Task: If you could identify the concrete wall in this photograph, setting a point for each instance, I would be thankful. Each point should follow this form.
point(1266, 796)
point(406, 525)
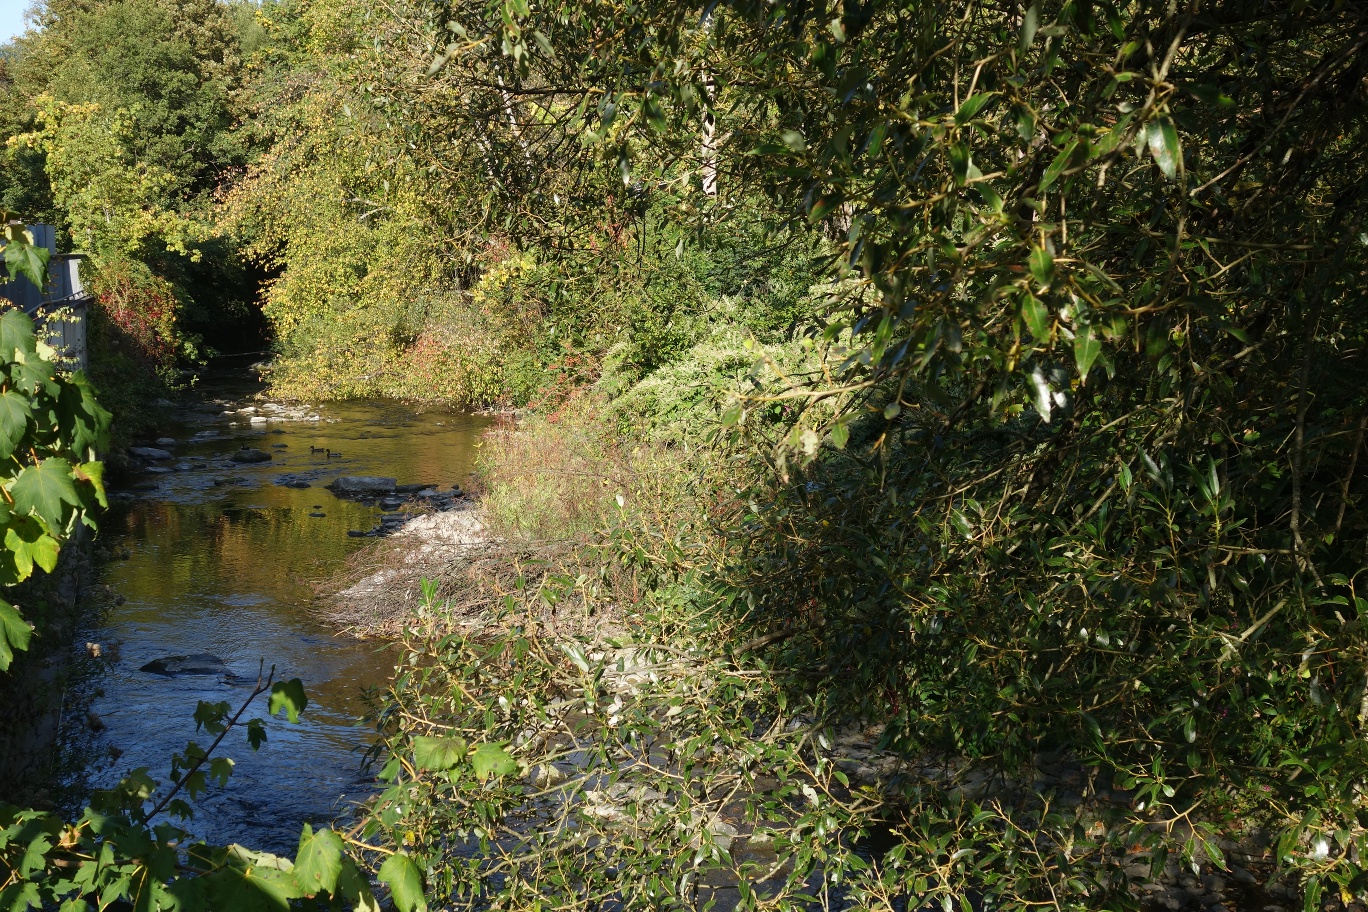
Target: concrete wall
point(59, 310)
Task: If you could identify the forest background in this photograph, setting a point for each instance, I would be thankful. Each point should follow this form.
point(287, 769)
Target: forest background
point(983, 377)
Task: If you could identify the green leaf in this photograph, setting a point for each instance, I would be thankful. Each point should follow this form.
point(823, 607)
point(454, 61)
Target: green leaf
point(14, 421)
point(15, 634)
point(1030, 23)
point(1042, 266)
point(960, 159)
point(40, 491)
point(1086, 349)
point(289, 696)
point(840, 435)
point(354, 889)
point(405, 881)
point(1037, 318)
point(439, 753)
point(220, 770)
point(318, 863)
point(1162, 137)
point(255, 889)
point(492, 760)
point(20, 896)
point(30, 545)
point(971, 106)
point(93, 474)
point(1061, 162)
point(22, 257)
point(16, 334)
point(876, 139)
point(256, 733)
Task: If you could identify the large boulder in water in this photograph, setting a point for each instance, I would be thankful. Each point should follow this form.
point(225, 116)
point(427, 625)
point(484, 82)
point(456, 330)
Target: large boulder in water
point(152, 453)
point(250, 454)
point(363, 484)
point(201, 663)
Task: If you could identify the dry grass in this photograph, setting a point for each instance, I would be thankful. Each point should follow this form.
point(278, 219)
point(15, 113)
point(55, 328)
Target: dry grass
point(556, 478)
point(547, 487)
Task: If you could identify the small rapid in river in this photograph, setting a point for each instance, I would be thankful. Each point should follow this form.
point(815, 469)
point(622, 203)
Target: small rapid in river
point(219, 560)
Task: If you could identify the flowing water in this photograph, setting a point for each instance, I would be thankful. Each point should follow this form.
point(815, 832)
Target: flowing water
point(219, 558)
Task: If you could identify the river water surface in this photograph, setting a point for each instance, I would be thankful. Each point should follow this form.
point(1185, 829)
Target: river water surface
point(220, 558)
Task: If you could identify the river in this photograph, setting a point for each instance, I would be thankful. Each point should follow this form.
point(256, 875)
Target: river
point(219, 558)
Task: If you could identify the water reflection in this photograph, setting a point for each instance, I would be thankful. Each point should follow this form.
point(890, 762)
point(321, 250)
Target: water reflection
point(221, 559)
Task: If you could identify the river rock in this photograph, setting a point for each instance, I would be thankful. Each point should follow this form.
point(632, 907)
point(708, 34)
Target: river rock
point(363, 484)
point(201, 663)
point(410, 488)
point(151, 453)
point(166, 442)
point(250, 454)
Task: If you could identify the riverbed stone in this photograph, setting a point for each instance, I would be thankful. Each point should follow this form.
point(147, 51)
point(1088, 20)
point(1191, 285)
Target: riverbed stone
point(166, 442)
point(250, 454)
point(200, 663)
point(363, 484)
point(152, 453)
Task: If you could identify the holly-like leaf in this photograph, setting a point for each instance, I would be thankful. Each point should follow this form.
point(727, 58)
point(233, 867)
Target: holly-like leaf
point(1060, 163)
point(24, 258)
point(1162, 137)
point(492, 760)
point(405, 881)
point(15, 634)
point(1042, 266)
point(438, 753)
point(1037, 318)
point(41, 490)
point(971, 106)
point(289, 696)
point(1086, 349)
point(15, 413)
point(256, 733)
point(318, 861)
